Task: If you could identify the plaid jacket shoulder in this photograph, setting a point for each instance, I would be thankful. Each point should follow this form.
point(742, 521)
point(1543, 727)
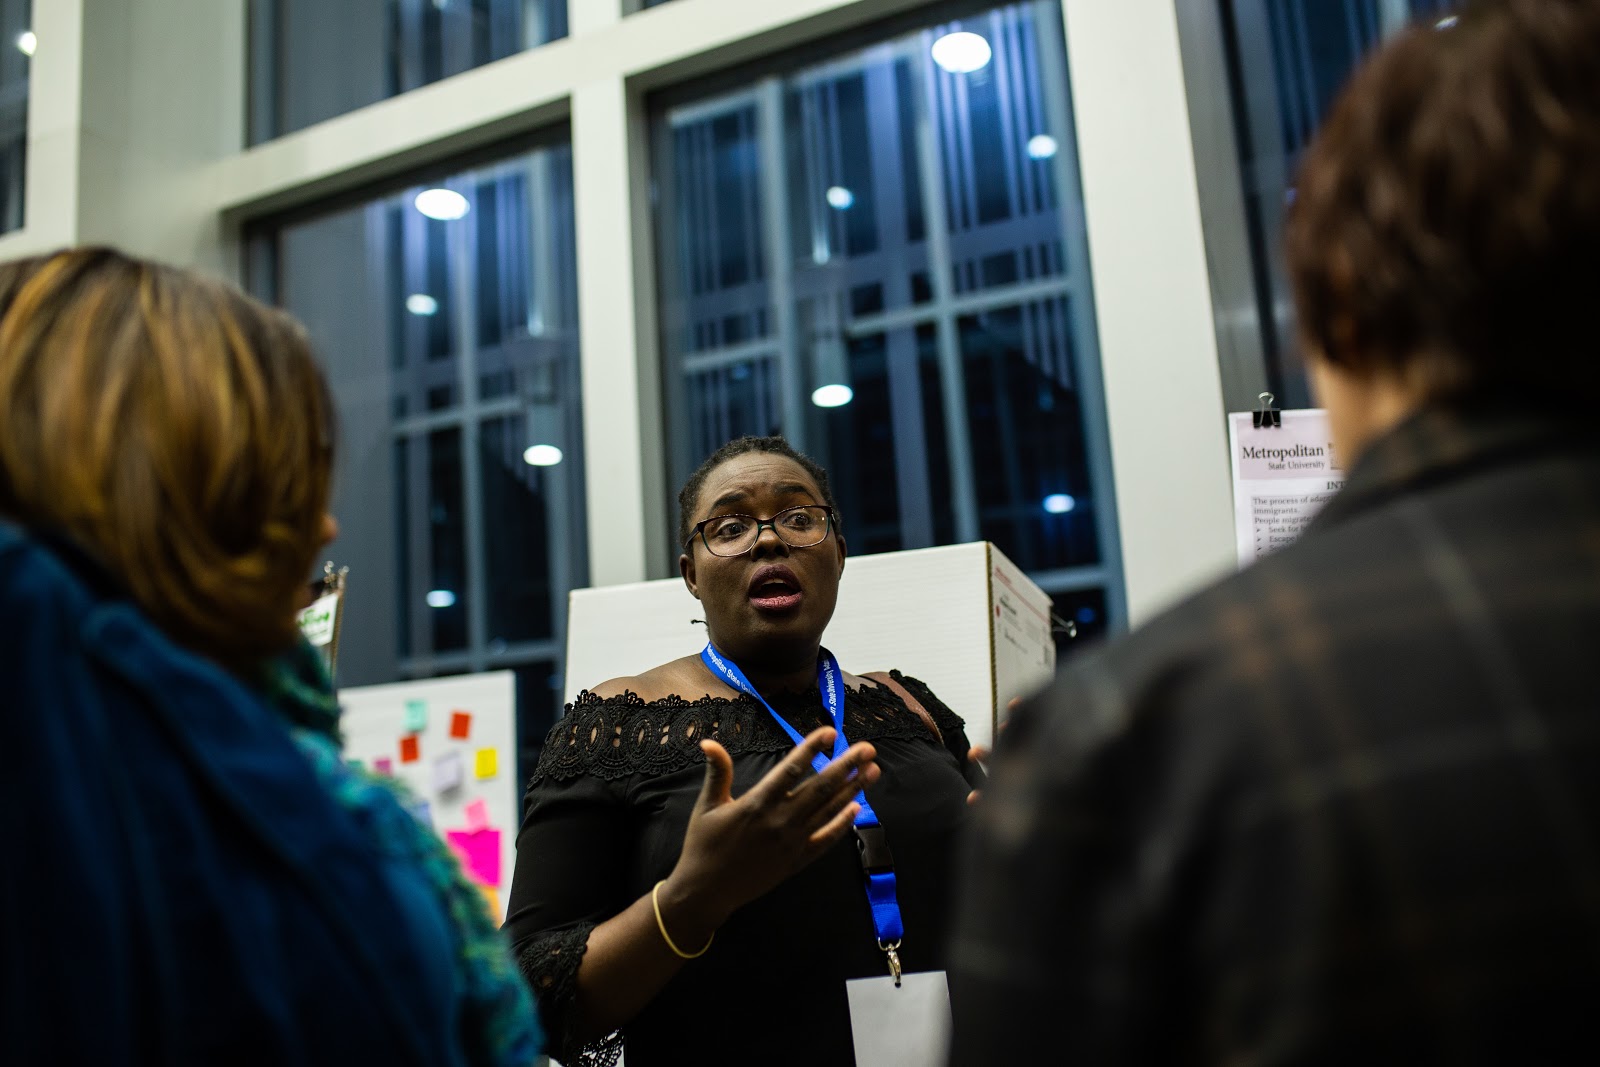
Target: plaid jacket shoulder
point(1342, 805)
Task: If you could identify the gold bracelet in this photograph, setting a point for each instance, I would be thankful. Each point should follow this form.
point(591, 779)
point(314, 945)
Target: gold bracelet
point(655, 899)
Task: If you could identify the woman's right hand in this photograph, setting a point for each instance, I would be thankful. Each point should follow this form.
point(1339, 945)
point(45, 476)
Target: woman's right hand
point(736, 850)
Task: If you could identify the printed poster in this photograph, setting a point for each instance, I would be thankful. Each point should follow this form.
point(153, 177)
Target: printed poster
point(1282, 476)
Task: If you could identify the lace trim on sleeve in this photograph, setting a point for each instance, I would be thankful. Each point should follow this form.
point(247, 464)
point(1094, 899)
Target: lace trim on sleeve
point(550, 962)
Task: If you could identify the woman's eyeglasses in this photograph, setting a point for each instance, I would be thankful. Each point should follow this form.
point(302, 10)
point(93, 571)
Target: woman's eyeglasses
point(734, 535)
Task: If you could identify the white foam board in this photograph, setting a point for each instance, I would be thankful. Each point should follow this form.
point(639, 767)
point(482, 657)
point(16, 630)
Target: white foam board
point(374, 721)
point(962, 618)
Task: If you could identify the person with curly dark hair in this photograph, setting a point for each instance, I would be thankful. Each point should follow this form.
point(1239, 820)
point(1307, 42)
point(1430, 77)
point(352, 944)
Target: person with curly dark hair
point(685, 883)
point(1344, 807)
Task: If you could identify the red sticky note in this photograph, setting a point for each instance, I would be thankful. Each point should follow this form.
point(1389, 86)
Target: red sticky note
point(477, 814)
point(479, 851)
point(461, 725)
point(410, 749)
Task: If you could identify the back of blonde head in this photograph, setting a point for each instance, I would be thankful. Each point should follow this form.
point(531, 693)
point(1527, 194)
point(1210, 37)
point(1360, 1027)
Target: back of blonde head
point(174, 429)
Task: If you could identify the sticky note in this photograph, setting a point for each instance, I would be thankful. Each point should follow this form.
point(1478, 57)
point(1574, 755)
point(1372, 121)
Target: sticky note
point(424, 813)
point(355, 764)
point(416, 716)
point(479, 851)
point(461, 725)
point(477, 814)
point(447, 772)
point(383, 765)
point(491, 896)
point(488, 762)
point(410, 749)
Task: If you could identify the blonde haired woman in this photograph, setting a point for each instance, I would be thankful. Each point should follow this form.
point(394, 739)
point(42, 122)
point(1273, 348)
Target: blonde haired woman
point(195, 876)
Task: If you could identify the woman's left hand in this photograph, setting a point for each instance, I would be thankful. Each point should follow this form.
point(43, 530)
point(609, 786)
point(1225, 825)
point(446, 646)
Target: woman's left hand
point(980, 754)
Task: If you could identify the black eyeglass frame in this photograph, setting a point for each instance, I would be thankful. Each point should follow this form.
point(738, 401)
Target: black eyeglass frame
point(699, 530)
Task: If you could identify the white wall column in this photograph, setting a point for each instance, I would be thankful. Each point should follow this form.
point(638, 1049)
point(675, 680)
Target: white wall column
point(622, 417)
point(55, 76)
point(1152, 299)
point(120, 136)
point(587, 16)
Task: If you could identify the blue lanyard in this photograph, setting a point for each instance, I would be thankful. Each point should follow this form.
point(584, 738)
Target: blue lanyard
point(875, 857)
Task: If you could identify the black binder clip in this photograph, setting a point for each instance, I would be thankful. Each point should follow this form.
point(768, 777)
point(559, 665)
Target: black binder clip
point(1268, 416)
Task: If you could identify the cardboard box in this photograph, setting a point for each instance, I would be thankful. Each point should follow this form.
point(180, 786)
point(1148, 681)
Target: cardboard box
point(962, 618)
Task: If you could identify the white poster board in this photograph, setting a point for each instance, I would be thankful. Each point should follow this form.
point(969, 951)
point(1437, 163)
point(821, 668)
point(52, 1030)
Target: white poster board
point(453, 742)
point(1282, 475)
point(962, 618)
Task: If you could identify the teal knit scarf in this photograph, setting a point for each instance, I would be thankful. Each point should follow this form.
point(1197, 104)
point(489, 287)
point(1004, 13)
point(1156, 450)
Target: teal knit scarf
point(498, 1022)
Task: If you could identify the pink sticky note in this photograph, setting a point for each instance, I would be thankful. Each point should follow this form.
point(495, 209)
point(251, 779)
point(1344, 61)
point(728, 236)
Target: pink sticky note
point(383, 765)
point(480, 853)
point(477, 814)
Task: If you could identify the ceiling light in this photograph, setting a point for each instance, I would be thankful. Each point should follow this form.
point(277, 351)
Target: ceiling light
point(445, 205)
point(962, 52)
point(27, 42)
point(422, 304)
point(1059, 503)
point(1042, 146)
point(1445, 23)
point(833, 396)
point(542, 456)
point(441, 598)
point(841, 198)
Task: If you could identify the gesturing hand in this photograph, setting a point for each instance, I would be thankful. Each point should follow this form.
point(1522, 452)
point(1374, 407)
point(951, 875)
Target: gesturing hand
point(980, 755)
point(736, 850)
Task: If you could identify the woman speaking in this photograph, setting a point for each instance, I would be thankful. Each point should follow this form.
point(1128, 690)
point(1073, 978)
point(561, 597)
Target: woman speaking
point(706, 857)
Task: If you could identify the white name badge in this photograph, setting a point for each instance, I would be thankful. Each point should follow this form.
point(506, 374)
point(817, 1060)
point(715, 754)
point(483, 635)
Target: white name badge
point(908, 1026)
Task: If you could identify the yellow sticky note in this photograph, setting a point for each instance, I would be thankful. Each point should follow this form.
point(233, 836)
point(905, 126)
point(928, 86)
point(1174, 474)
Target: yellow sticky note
point(491, 895)
point(488, 762)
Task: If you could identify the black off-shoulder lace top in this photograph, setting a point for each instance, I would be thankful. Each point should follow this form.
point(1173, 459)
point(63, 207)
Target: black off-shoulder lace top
point(604, 819)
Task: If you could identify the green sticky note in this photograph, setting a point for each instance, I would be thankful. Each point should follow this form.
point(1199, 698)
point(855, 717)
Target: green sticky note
point(416, 716)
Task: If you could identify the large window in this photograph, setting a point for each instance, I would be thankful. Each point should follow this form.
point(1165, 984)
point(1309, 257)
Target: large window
point(17, 45)
point(882, 257)
point(447, 318)
point(313, 59)
point(1287, 60)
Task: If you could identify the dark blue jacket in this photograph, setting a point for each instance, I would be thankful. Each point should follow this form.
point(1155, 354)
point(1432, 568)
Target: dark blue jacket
point(176, 886)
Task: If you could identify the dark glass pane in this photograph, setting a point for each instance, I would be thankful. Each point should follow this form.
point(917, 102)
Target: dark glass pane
point(1034, 495)
point(448, 511)
point(538, 708)
point(313, 59)
point(402, 546)
point(731, 402)
point(525, 550)
point(860, 452)
point(16, 51)
point(937, 462)
point(1287, 61)
point(447, 593)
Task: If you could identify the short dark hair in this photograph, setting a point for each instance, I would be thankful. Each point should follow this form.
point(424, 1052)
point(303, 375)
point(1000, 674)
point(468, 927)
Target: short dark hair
point(1446, 221)
point(689, 495)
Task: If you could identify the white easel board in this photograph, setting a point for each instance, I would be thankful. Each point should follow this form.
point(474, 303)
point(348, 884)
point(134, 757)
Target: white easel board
point(963, 618)
point(453, 742)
